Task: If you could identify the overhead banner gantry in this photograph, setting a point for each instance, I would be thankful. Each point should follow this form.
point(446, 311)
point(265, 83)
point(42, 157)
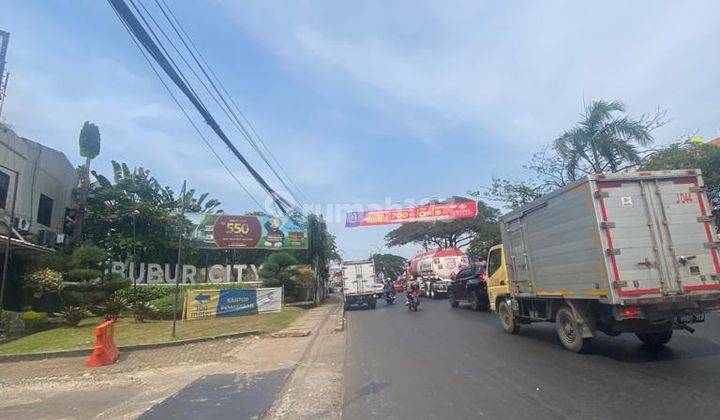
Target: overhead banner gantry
point(429, 213)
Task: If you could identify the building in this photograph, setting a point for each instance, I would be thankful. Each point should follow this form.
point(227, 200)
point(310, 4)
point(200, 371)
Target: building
point(45, 182)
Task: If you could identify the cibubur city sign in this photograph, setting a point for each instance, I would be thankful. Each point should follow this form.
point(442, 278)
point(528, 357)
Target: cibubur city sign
point(153, 273)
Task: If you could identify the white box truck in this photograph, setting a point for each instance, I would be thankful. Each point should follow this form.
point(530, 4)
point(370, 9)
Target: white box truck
point(359, 283)
point(628, 252)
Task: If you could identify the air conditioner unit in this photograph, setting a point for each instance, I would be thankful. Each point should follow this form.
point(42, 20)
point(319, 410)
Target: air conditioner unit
point(46, 238)
point(21, 224)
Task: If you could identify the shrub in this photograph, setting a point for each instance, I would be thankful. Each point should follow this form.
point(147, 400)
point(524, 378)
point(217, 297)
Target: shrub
point(56, 261)
point(88, 257)
point(34, 320)
point(70, 295)
point(43, 281)
point(164, 307)
point(72, 315)
point(275, 263)
point(112, 308)
point(88, 294)
point(143, 310)
point(144, 293)
point(12, 322)
point(114, 283)
point(83, 275)
point(291, 279)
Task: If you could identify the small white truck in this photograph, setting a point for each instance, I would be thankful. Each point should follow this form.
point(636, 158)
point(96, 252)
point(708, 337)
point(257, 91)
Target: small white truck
point(617, 253)
point(359, 283)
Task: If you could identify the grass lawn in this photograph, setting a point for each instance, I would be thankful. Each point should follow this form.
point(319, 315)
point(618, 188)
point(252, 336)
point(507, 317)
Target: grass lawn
point(129, 332)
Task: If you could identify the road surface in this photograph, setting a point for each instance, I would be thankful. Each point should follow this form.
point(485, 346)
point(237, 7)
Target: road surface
point(443, 363)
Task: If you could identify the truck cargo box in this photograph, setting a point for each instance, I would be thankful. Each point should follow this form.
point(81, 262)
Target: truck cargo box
point(642, 236)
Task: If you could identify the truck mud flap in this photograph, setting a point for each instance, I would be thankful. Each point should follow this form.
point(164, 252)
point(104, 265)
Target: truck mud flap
point(585, 321)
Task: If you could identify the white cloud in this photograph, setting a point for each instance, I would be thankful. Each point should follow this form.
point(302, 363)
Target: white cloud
point(521, 70)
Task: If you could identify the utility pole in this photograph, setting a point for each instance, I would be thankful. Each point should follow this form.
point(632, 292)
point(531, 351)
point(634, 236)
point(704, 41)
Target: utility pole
point(4, 41)
point(178, 270)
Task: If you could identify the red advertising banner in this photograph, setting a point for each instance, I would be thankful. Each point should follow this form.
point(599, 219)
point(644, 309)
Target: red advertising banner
point(429, 213)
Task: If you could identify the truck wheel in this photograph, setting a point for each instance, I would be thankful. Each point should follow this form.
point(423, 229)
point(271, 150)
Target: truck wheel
point(656, 339)
point(568, 330)
point(475, 301)
point(451, 299)
point(507, 319)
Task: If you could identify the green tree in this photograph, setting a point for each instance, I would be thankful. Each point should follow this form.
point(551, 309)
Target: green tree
point(689, 155)
point(89, 149)
point(604, 140)
point(389, 265)
point(456, 233)
point(112, 203)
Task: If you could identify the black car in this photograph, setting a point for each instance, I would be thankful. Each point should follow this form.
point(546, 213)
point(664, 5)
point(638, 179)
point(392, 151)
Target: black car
point(469, 286)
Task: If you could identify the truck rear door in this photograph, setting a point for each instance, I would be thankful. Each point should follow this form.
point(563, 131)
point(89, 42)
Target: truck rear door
point(687, 238)
point(653, 235)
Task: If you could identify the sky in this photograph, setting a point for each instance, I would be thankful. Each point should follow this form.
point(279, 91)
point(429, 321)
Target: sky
point(363, 103)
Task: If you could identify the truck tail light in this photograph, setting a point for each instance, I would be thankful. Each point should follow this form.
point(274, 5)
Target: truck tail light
point(630, 312)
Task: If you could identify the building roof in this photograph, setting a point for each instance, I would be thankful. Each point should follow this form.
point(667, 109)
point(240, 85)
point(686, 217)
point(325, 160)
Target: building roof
point(715, 142)
point(22, 247)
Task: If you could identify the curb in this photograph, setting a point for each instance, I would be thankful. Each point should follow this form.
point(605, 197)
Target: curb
point(340, 326)
point(7, 358)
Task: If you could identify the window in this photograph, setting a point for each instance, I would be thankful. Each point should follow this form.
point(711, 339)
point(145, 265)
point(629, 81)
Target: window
point(45, 207)
point(494, 261)
point(4, 186)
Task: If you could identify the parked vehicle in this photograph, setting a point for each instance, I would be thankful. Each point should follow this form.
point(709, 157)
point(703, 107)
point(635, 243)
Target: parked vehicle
point(359, 283)
point(629, 252)
point(434, 270)
point(469, 286)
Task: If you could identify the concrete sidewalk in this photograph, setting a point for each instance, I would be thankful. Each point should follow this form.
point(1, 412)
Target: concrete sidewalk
point(314, 389)
point(226, 371)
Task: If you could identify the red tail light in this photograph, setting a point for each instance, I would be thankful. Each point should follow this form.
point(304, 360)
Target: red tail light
point(630, 312)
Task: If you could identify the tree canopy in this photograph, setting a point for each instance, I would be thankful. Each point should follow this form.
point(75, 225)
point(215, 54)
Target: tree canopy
point(389, 265)
point(109, 222)
point(689, 155)
point(89, 140)
point(605, 139)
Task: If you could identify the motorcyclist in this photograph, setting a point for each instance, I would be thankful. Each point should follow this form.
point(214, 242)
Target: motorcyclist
point(413, 287)
point(388, 288)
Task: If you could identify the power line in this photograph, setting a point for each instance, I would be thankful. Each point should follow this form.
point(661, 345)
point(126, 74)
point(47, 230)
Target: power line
point(214, 95)
point(192, 123)
point(202, 64)
point(139, 32)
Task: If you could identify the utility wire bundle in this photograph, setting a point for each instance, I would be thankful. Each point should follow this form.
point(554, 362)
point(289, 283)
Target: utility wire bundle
point(156, 44)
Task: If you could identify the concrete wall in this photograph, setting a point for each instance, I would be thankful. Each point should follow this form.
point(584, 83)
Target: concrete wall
point(42, 171)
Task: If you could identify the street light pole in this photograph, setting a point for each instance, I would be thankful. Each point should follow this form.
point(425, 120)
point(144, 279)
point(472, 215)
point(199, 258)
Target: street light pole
point(134, 215)
point(179, 270)
point(8, 244)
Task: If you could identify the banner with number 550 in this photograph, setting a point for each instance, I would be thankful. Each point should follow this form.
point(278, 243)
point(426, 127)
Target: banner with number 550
point(222, 231)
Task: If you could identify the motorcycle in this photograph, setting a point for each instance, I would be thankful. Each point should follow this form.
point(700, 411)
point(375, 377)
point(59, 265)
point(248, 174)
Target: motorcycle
point(413, 301)
point(389, 298)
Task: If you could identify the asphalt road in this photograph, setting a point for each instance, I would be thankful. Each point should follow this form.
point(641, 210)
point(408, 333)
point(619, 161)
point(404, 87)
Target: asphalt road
point(443, 363)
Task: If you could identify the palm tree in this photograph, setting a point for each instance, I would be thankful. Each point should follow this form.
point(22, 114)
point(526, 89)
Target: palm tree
point(605, 139)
